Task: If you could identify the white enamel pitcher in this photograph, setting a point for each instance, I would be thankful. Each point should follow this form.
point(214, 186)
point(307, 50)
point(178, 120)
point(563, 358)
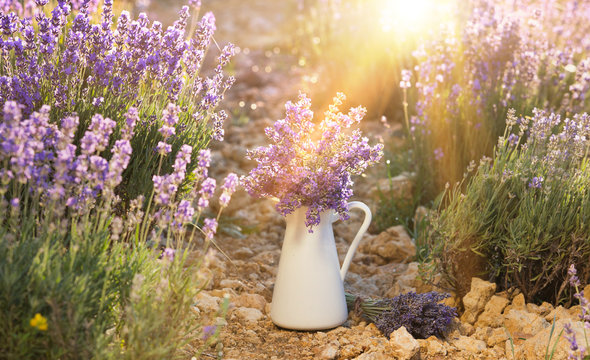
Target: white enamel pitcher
point(309, 291)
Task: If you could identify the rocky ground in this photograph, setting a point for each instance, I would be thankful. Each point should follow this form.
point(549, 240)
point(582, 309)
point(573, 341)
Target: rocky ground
point(492, 326)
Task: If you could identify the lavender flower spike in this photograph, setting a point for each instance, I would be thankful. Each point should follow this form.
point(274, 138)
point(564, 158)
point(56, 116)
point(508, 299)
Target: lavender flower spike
point(229, 187)
point(210, 228)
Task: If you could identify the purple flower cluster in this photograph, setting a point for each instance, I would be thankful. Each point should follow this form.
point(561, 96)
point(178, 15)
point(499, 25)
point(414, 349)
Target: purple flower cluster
point(168, 254)
point(39, 159)
point(208, 330)
point(169, 119)
point(554, 149)
point(210, 228)
point(438, 153)
point(302, 171)
point(502, 55)
point(166, 186)
point(405, 81)
point(421, 314)
point(201, 172)
point(40, 154)
point(68, 61)
point(81, 62)
point(229, 186)
point(536, 182)
point(206, 192)
point(190, 206)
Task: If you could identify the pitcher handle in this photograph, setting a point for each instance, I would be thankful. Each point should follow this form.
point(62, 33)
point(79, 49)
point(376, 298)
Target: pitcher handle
point(355, 243)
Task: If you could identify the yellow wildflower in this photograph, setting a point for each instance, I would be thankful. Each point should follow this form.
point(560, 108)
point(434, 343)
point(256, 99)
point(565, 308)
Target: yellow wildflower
point(39, 322)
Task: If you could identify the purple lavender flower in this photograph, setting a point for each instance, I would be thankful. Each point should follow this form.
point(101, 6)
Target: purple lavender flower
point(204, 161)
point(209, 228)
point(166, 186)
point(228, 188)
point(97, 101)
point(573, 274)
point(131, 118)
point(199, 44)
point(167, 131)
point(184, 213)
point(195, 3)
point(577, 352)
point(183, 158)
point(9, 23)
point(438, 154)
point(169, 119)
point(206, 192)
point(168, 254)
point(513, 139)
point(208, 330)
point(163, 148)
point(302, 172)
point(405, 82)
point(97, 136)
point(218, 120)
point(536, 182)
point(570, 335)
point(119, 161)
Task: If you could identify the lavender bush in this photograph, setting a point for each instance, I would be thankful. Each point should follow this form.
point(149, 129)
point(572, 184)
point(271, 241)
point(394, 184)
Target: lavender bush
point(524, 214)
point(81, 65)
point(420, 314)
point(303, 168)
point(500, 55)
point(70, 287)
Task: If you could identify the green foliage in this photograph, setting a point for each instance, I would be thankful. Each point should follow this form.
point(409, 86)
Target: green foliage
point(101, 299)
point(496, 56)
point(524, 215)
point(137, 178)
point(549, 355)
point(78, 281)
point(107, 74)
point(95, 265)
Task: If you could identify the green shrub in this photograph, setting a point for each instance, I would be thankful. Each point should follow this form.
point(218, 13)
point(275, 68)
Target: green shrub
point(91, 298)
point(82, 62)
point(497, 55)
point(524, 216)
point(76, 279)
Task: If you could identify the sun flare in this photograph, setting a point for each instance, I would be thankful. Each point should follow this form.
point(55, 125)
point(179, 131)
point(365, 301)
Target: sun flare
point(409, 16)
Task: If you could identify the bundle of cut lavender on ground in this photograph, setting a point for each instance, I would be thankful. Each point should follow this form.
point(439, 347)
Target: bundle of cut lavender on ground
point(420, 314)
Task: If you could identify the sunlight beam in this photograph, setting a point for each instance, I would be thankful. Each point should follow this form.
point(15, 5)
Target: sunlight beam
point(407, 15)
